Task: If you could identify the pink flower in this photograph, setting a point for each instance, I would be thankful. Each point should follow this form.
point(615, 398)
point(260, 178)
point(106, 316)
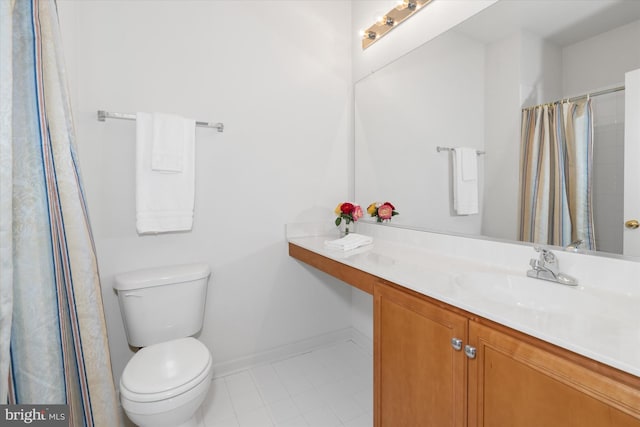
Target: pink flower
point(385, 211)
point(357, 212)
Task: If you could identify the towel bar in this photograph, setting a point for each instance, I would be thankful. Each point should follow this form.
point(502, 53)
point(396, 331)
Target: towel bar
point(439, 149)
point(104, 115)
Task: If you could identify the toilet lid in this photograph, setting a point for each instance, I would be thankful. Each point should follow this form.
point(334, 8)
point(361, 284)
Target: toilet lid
point(168, 366)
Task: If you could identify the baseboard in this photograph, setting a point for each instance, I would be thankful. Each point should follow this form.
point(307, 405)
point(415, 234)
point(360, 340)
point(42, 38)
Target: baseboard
point(362, 341)
point(285, 351)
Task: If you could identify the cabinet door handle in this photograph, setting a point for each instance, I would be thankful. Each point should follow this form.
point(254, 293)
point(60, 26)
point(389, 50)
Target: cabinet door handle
point(456, 343)
point(470, 351)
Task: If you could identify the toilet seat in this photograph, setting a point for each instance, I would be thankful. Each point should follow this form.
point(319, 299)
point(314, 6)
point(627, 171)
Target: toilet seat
point(166, 370)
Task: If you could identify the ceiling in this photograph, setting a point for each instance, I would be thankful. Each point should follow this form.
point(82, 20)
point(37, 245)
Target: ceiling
point(562, 22)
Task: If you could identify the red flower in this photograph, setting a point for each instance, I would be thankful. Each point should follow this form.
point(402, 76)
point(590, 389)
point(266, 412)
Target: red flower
point(347, 208)
point(393, 208)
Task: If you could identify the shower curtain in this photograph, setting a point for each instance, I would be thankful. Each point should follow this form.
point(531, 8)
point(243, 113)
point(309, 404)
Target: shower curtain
point(556, 164)
point(53, 341)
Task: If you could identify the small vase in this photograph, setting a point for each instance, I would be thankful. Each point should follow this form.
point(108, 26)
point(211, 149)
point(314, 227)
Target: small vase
point(347, 228)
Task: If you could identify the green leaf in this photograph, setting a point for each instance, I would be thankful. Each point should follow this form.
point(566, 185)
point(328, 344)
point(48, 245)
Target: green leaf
point(338, 221)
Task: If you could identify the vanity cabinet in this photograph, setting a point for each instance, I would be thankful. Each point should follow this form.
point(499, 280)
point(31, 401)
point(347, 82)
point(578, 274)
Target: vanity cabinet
point(436, 365)
point(419, 379)
point(491, 377)
point(513, 383)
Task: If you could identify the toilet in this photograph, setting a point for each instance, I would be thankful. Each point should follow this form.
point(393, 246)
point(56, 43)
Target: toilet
point(166, 381)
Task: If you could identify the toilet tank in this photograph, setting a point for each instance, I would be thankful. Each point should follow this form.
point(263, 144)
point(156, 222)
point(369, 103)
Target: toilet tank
point(162, 304)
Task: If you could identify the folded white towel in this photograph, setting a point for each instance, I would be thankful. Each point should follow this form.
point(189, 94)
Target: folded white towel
point(164, 199)
point(469, 164)
point(349, 242)
point(170, 133)
point(465, 180)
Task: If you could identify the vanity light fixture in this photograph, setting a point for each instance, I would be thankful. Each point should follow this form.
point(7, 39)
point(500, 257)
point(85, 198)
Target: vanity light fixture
point(386, 23)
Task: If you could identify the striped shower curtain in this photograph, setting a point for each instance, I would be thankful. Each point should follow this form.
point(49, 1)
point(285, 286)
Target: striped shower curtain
point(53, 341)
point(556, 164)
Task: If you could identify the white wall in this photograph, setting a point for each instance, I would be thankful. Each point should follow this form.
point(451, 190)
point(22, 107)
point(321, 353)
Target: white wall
point(596, 63)
point(278, 75)
point(502, 105)
point(361, 313)
point(540, 70)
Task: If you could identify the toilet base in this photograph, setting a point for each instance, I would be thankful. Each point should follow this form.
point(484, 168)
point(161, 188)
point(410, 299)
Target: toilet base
point(151, 414)
point(194, 421)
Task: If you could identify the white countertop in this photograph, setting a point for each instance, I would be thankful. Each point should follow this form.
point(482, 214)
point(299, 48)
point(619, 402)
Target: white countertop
point(593, 321)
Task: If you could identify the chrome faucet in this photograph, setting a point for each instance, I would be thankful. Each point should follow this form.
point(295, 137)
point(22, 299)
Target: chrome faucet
point(546, 267)
point(574, 246)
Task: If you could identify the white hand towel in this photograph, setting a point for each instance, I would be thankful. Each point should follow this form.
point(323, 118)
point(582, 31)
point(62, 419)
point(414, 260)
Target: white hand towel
point(170, 133)
point(465, 181)
point(349, 242)
point(469, 164)
point(164, 199)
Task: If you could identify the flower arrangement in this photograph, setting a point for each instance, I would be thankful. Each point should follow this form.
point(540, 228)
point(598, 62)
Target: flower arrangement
point(382, 211)
point(349, 212)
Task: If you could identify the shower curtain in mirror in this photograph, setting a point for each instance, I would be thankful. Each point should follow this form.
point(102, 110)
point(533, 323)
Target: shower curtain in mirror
point(53, 341)
point(556, 164)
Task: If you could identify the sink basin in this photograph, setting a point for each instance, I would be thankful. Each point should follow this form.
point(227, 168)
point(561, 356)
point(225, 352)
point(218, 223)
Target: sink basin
point(521, 292)
point(546, 306)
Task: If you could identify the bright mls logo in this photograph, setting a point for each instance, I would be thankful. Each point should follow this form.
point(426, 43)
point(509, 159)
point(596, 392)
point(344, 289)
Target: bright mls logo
point(35, 415)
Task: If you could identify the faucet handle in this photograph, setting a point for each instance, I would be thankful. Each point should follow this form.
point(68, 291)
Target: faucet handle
point(546, 255)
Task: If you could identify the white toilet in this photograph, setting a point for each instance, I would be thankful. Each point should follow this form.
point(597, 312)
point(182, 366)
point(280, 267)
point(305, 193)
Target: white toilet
point(166, 381)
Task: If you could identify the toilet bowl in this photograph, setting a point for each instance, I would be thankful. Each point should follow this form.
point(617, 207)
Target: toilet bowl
point(166, 381)
point(163, 385)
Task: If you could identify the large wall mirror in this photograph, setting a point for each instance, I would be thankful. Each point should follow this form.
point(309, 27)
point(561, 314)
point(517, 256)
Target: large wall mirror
point(468, 88)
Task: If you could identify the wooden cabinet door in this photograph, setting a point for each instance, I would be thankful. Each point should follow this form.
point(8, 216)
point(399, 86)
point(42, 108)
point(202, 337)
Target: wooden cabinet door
point(420, 380)
point(517, 384)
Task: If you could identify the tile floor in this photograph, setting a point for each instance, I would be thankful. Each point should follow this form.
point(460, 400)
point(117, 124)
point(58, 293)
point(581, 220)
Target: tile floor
point(326, 387)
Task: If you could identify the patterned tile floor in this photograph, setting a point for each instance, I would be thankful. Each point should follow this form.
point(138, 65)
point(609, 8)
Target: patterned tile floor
point(326, 387)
